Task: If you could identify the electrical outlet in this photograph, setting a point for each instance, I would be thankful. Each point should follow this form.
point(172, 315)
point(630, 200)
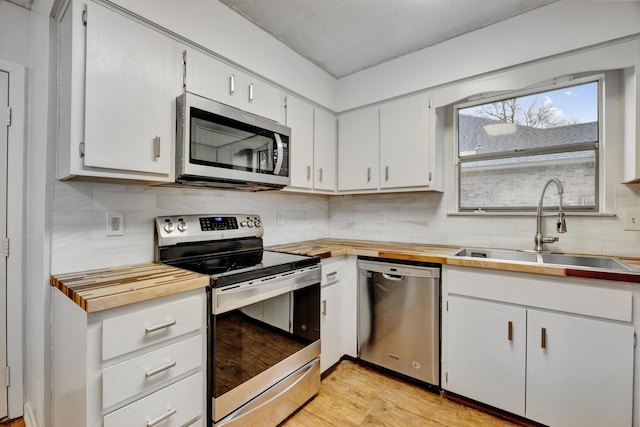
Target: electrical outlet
point(382, 218)
point(279, 218)
point(115, 224)
point(631, 220)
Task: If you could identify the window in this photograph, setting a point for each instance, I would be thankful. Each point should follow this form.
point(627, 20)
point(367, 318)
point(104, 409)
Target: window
point(508, 148)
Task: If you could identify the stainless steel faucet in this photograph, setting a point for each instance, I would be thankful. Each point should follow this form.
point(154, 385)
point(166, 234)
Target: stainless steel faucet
point(561, 225)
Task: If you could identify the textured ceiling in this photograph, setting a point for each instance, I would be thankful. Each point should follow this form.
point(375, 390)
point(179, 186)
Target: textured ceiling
point(346, 36)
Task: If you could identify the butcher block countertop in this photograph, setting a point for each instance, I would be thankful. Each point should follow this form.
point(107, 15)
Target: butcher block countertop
point(102, 289)
point(97, 290)
point(442, 254)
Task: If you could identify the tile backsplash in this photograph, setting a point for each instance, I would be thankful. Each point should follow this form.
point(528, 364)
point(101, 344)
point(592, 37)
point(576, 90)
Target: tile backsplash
point(79, 241)
point(423, 218)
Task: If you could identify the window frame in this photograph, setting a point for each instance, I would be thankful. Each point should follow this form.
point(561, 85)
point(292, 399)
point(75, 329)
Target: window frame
point(548, 85)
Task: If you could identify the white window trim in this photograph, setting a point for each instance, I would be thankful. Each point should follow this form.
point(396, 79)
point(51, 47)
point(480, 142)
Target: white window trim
point(610, 130)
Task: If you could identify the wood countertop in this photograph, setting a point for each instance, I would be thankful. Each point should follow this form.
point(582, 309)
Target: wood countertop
point(97, 290)
point(102, 289)
point(443, 254)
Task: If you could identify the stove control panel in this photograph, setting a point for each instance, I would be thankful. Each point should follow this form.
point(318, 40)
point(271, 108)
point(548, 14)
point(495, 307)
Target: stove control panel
point(190, 228)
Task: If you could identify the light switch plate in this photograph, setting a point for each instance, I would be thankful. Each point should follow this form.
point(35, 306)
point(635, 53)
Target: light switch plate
point(631, 220)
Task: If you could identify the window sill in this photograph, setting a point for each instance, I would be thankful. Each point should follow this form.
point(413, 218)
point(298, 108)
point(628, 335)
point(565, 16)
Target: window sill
point(532, 214)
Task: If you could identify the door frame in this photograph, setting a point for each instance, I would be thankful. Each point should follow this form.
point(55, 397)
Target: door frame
point(16, 186)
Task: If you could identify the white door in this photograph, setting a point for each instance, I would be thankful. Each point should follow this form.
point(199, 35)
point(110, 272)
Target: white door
point(358, 150)
point(4, 103)
point(404, 142)
point(324, 150)
point(486, 347)
point(300, 120)
point(579, 370)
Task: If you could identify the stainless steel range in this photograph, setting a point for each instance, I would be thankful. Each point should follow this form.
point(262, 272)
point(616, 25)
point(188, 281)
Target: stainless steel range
point(264, 327)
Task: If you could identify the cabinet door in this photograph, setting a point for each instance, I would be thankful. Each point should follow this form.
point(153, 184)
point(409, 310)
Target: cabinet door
point(131, 75)
point(219, 81)
point(300, 120)
point(404, 142)
point(324, 151)
point(579, 370)
point(358, 145)
point(330, 325)
point(486, 352)
point(211, 78)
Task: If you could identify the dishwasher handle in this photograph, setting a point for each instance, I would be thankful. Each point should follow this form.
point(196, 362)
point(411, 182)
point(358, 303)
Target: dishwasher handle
point(393, 277)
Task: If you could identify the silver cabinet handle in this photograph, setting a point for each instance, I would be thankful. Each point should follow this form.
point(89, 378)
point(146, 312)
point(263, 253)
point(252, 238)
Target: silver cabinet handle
point(368, 174)
point(232, 84)
point(153, 372)
point(162, 417)
point(308, 173)
point(280, 148)
point(324, 307)
point(320, 174)
point(386, 173)
point(160, 326)
point(156, 146)
point(333, 273)
point(251, 92)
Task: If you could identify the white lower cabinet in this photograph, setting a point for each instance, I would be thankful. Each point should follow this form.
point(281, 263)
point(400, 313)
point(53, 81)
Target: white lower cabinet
point(330, 312)
point(579, 370)
point(556, 368)
point(135, 365)
point(487, 352)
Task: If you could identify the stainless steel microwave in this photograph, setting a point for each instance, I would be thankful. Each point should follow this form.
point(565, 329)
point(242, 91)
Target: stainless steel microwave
point(221, 146)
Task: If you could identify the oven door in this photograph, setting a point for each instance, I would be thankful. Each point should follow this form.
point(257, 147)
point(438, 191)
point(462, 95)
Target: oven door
point(263, 334)
point(221, 142)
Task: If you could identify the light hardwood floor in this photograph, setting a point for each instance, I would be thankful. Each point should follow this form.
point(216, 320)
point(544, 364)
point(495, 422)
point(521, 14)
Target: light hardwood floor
point(353, 395)
point(18, 422)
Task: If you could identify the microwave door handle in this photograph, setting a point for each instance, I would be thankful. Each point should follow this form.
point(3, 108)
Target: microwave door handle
point(280, 148)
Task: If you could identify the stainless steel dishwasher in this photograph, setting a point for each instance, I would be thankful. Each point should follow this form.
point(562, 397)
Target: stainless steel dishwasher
point(399, 317)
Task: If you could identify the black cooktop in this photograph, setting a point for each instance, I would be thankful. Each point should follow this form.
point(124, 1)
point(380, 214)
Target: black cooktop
point(242, 267)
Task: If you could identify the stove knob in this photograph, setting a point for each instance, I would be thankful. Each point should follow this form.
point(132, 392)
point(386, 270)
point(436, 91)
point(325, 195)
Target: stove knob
point(250, 223)
point(182, 226)
point(258, 224)
point(243, 224)
point(169, 227)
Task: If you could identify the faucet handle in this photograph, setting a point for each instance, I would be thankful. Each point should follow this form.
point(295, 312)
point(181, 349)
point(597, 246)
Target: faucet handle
point(561, 224)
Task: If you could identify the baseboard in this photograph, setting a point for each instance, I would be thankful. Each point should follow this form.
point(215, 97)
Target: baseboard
point(30, 419)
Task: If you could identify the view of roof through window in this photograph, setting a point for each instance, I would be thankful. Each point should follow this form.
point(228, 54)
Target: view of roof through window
point(509, 148)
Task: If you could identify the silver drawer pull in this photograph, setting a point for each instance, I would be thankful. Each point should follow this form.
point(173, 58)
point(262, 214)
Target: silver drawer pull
point(153, 372)
point(160, 326)
point(162, 417)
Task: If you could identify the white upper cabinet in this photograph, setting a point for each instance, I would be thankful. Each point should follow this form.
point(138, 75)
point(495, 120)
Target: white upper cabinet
point(118, 83)
point(313, 146)
point(214, 79)
point(358, 142)
point(324, 151)
point(390, 147)
point(404, 143)
point(300, 120)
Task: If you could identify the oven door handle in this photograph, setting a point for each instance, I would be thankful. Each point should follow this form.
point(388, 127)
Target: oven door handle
point(280, 151)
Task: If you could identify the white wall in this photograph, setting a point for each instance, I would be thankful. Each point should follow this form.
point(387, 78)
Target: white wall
point(24, 43)
point(215, 26)
point(543, 32)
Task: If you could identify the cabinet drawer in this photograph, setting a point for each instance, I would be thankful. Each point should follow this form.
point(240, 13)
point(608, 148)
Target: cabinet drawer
point(126, 379)
point(133, 331)
point(172, 406)
point(331, 272)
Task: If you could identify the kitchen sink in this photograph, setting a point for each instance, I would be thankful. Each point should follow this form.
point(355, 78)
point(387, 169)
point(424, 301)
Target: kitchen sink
point(584, 261)
point(500, 254)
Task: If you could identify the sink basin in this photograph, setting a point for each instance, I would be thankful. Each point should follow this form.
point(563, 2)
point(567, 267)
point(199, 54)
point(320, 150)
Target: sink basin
point(584, 261)
point(501, 254)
